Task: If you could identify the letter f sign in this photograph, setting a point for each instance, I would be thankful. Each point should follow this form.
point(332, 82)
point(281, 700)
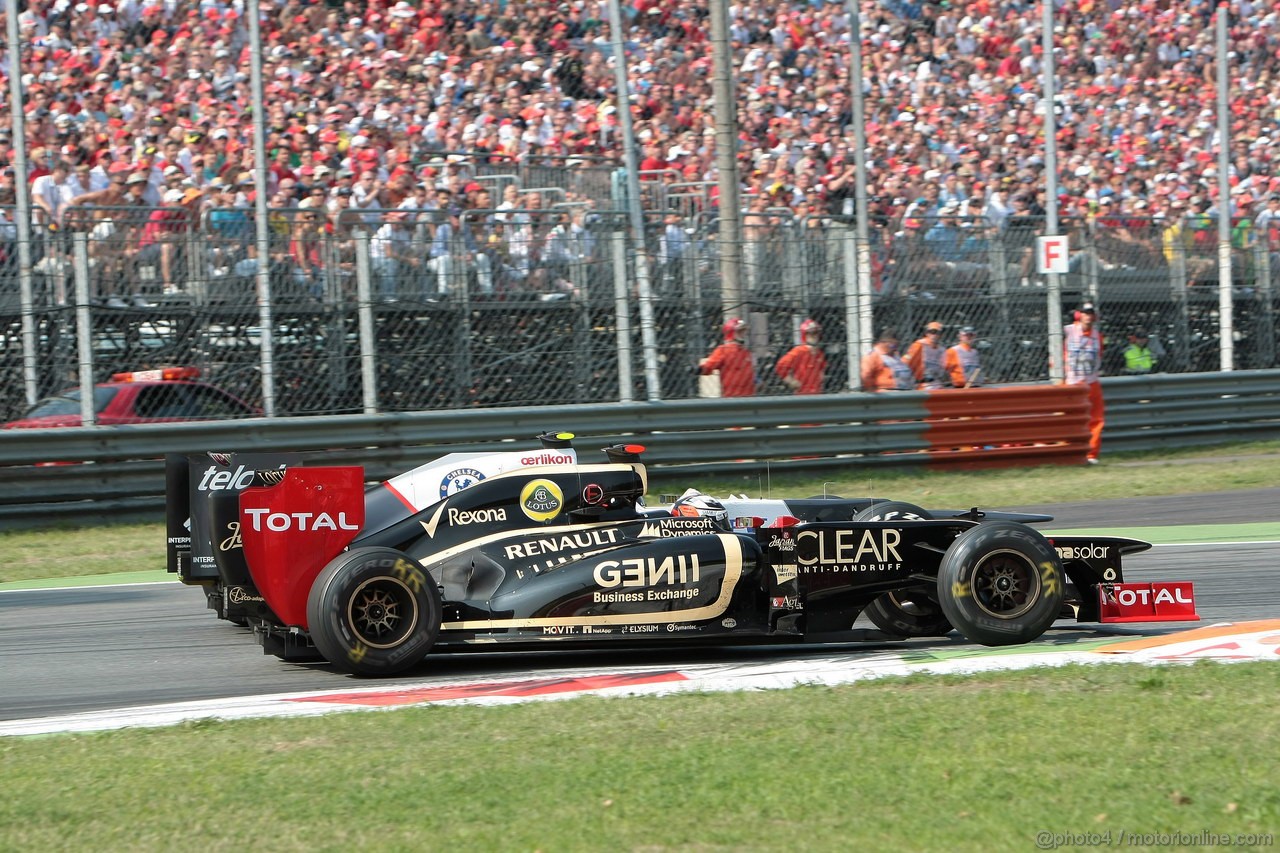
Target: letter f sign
point(1052, 255)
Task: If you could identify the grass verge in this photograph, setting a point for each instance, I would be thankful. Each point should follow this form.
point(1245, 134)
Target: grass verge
point(923, 763)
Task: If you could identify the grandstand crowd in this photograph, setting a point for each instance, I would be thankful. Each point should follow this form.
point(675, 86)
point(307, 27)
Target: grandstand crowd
point(388, 104)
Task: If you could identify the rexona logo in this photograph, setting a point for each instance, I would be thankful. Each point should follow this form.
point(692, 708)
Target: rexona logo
point(463, 517)
point(1083, 552)
point(665, 527)
point(278, 522)
point(547, 458)
point(541, 500)
point(849, 550)
point(456, 481)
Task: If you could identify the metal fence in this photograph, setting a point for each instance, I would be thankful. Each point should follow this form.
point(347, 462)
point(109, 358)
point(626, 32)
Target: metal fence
point(395, 311)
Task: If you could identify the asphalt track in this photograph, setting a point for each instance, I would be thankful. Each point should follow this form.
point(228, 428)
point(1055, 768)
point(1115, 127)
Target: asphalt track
point(65, 651)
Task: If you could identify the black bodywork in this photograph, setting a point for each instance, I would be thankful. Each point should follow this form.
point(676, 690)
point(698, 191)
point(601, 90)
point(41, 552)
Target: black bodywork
point(549, 552)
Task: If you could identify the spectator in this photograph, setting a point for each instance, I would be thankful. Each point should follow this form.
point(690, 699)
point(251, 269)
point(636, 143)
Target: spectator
point(163, 238)
point(1020, 230)
point(803, 366)
point(47, 192)
point(306, 252)
point(391, 254)
point(1140, 355)
point(882, 369)
point(570, 244)
point(80, 183)
point(925, 358)
point(673, 248)
point(454, 253)
point(963, 363)
point(957, 92)
point(1082, 352)
point(733, 361)
point(944, 238)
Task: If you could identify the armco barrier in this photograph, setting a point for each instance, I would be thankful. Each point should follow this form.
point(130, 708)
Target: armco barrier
point(752, 437)
point(1010, 425)
point(1190, 409)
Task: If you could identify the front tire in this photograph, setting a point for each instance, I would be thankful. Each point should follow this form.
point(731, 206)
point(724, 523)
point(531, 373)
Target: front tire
point(903, 613)
point(374, 611)
point(1001, 583)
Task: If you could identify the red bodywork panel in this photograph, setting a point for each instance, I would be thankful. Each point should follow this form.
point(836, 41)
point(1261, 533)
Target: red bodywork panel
point(293, 529)
point(1147, 602)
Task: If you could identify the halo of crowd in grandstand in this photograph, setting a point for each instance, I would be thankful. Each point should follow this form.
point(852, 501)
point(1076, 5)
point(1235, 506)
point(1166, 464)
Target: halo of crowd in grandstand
point(384, 104)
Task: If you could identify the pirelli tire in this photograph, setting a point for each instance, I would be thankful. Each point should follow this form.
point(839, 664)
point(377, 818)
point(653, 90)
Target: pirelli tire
point(908, 613)
point(904, 613)
point(374, 611)
point(1001, 583)
point(893, 511)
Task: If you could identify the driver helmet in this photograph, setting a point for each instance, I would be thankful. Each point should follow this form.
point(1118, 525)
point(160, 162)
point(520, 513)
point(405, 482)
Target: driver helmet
point(810, 327)
point(694, 504)
point(733, 327)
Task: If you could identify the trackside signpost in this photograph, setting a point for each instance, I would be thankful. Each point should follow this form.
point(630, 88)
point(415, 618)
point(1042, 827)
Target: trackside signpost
point(1052, 255)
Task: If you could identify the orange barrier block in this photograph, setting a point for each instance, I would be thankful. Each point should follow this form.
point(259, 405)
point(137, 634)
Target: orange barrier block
point(1007, 426)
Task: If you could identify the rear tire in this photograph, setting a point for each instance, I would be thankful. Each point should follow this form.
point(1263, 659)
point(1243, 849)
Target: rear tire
point(901, 613)
point(374, 611)
point(893, 511)
point(908, 614)
point(1001, 583)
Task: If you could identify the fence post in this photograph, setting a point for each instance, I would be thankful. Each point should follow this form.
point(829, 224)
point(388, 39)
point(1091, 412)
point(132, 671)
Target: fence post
point(364, 315)
point(1092, 283)
point(998, 259)
point(56, 251)
point(622, 314)
point(852, 308)
point(1264, 349)
point(84, 326)
point(196, 267)
point(1178, 297)
point(791, 284)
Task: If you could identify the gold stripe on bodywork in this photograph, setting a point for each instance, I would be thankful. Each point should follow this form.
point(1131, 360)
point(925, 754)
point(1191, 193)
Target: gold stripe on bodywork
point(732, 545)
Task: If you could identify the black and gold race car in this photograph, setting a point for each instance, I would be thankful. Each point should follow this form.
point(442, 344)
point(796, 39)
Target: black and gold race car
point(536, 546)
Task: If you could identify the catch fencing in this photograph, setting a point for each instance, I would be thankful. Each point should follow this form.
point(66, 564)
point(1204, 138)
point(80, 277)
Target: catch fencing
point(397, 311)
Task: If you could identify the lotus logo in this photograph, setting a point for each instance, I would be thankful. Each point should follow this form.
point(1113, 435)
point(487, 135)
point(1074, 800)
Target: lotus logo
point(541, 500)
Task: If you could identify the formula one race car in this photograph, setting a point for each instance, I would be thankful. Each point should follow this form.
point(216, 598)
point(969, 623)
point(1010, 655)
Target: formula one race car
point(532, 546)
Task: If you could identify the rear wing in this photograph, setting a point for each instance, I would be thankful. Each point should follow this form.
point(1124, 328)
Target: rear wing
point(195, 486)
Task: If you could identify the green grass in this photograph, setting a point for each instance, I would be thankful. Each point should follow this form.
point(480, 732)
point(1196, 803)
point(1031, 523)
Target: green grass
point(140, 547)
point(68, 553)
point(921, 763)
